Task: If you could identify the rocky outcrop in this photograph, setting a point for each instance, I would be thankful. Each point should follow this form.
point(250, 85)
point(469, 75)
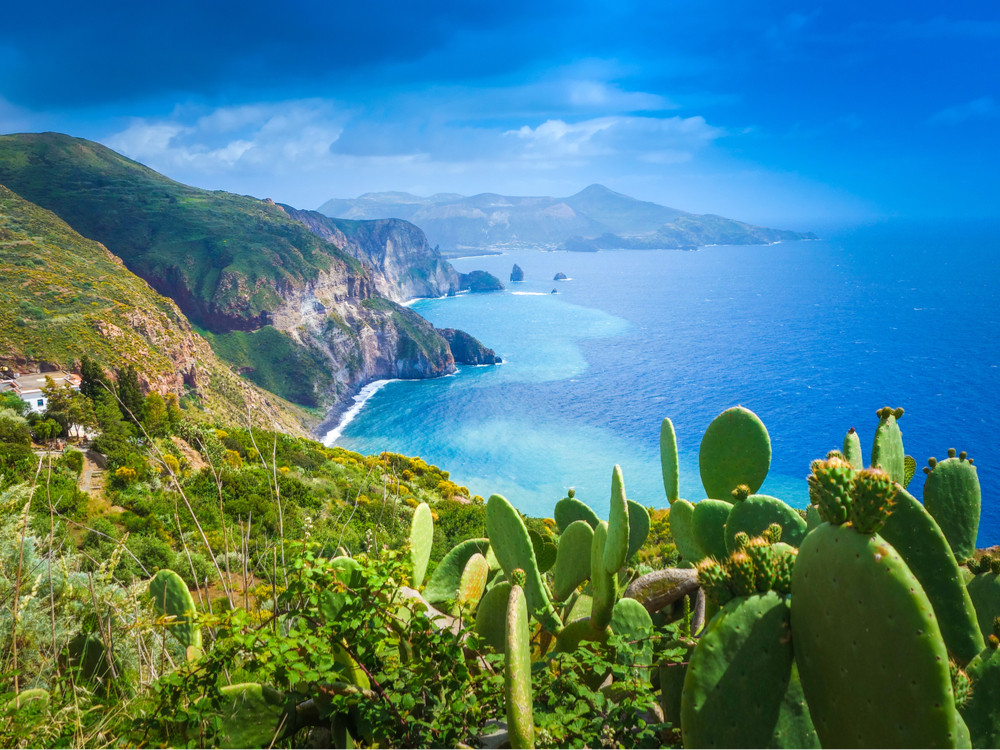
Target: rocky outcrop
point(516, 274)
point(479, 281)
point(560, 277)
point(403, 264)
point(467, 349)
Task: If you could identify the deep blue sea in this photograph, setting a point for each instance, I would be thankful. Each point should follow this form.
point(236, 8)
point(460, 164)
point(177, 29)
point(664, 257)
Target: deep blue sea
point(812, 336)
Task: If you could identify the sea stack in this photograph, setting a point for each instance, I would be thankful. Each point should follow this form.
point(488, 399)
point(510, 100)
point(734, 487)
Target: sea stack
point(516, 274)
point(560, 277)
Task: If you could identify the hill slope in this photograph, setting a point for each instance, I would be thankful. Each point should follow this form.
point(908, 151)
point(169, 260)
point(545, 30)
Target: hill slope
point(63, 296)
point(295, 312)
point(484, 221)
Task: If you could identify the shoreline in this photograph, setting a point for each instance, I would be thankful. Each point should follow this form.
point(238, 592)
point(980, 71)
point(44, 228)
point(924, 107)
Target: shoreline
point(344, 418)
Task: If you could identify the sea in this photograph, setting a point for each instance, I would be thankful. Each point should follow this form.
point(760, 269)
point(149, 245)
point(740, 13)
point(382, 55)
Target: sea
point(813, 336)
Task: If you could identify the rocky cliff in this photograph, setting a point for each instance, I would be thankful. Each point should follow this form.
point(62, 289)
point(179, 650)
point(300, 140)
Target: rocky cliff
point(467, 350)
point(292, 310)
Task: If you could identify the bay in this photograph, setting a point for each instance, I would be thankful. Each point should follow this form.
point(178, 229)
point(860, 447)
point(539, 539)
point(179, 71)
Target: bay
point(812, 336)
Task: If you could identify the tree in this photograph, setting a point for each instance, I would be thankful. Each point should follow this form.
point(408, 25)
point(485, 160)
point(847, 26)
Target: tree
point(94, 379)
point(154, 415)
point(68, 407)
point(10, 400)
point(13, 427)
point(130, 393)
point(174, 414)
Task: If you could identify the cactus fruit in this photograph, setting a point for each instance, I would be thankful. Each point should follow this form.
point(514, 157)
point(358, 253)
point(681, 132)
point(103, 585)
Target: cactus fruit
point(714, 580)
point(573, 559)
point(773, 533)
point(952, 495)
point(741, 492)
point(512, 545)
point(961, 685)
point(852, 449)
point(909, 470)
point(517, 671)
point(830, 489)
point(616, 545)
point(668, 461)
point(738, 677)
point(682, 530)
point(631, 621)
point(740, 540)
point(638, 527)
point(758, 512)
point(887, 450)
point(872, 494)
point(864, 632)
point(491, 616)
point(742, 578)
point(171, 598)
point(250, 715)
point(571, 509)
point(710, 518)
point(735, 449)
point(918, 539)
point(443, 585)
point(813, 517)
point(763, 557)
point(784, 564)
point(421, 541)
point(603, 581)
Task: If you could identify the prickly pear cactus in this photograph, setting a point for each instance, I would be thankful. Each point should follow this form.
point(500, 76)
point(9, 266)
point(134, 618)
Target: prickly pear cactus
point(918, 539)
point(545, 550)
point(887, 450)
point(616, 545)
point(473, 582)
point(631, 621)
point(868, 646)
point(571, 509)
point(709, 520)
point(980, 710)
point(682, 530)
point(573, 559)
point(638, 527)
point(984, 589)
point(852, 449)
point(735, 450)
point(512, 545)
point(491, 616)
point(171, 597)
point(668, 461)
point(738, 677)
point(249, 715)
point(444, 584)
point(421, 541)
point(952, 495)
point(603, 581)
point(754, 514)
point(517, 672)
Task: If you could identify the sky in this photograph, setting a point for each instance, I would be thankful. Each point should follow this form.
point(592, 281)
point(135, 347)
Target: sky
point(787, 113)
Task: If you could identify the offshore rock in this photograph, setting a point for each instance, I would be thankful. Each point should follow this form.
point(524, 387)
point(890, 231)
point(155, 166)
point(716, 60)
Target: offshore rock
point(479, 281)
point(467, 349)
point(516, 274)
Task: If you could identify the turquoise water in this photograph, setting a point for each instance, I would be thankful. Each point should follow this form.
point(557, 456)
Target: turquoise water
point(813, 336)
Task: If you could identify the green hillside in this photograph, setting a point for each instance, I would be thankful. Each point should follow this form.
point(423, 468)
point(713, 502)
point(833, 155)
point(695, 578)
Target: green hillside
point(63, 296)
point(222, 257)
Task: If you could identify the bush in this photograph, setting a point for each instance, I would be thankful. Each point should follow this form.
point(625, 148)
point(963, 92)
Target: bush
point(73, 460)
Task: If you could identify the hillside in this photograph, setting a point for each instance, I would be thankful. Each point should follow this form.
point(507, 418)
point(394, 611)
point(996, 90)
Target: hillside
point(293, 311)
point(63, 296)
point(596, 214)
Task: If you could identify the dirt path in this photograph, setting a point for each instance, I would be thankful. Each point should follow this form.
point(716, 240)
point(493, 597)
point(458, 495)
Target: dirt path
point(194, 459)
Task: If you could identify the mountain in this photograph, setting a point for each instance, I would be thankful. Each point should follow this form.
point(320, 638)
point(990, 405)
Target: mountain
point(294, 312)
point(489, 221)
point(62, 296)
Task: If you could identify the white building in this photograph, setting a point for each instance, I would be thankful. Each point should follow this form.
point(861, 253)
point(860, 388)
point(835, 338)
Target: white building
point(29, 387)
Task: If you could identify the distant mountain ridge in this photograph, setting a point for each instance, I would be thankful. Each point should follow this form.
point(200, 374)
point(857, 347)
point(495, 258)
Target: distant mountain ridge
point(597, 216)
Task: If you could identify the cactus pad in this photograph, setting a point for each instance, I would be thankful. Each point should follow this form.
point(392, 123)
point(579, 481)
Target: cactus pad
point(738, 675)
point(631, 621)
point(638, 527)
point(571, 509)
point(980, 710)
point(616, 546)
point(735, 449)
point(171, 598)
point(918, 539)
point(473, 582)
point(421, 541)
point(517, 672)
point(952, 495)
point(668, 461)
point(249, 715)
point(984, 589)
point(682, 530)
point(710, 518)
point(887, 449)
point(444, 584)
point(868, 646)
point(491, 616)
point(603, 581)
point(573, 559)
point(852, 449)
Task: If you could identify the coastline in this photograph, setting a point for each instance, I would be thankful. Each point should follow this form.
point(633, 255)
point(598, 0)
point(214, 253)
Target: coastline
point(346, 416)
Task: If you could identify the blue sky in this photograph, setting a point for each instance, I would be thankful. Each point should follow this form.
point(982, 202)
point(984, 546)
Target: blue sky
point(779, 112)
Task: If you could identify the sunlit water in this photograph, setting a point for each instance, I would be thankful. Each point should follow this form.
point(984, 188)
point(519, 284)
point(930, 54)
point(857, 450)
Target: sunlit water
point(812, 336)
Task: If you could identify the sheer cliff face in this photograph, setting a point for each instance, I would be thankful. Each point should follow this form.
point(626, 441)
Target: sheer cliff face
point(403, 264)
